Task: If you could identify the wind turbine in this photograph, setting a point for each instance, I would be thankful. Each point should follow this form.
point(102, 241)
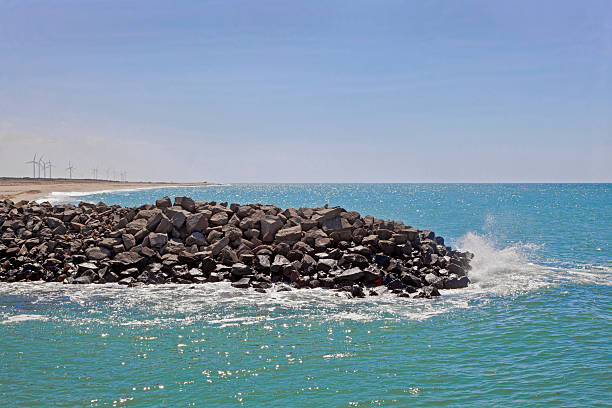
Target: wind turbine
point(95, 173)
point(41, 163)
point(33, 162)
point(70, 168)
point(50, 166)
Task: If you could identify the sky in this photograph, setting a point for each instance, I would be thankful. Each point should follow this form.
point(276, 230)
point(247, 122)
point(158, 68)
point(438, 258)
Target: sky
point(316, 91)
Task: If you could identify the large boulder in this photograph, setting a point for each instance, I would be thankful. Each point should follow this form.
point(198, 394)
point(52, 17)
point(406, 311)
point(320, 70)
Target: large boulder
point(186, 203)
point(163, 202)
point(289, 235)
point(196, 222)
point(269, 226)
point(350, 275)
point(219, 219)
point(128, 258)
point(158, 240)
point(97, 253)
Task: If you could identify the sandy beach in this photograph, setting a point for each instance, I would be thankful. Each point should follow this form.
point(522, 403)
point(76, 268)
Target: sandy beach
point(18, 189)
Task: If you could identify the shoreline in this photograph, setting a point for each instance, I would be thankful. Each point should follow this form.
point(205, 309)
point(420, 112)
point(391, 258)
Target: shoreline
point(30, 189)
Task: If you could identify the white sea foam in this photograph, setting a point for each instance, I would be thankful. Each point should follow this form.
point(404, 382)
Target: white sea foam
point(22, 318)
point(496, 273)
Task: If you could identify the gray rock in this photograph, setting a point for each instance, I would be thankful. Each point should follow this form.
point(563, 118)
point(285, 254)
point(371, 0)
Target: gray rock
point(157, 240)
point(128, 241)
point(186, 203)
point(218, 246)
point(428, 292)
point(240, 269)
point(128, 258)
point(456, 269)
point(290, 235)
point(164, 226)
point(163, 202)
point(97, 253)
point(326, 265)
point(83, 280)
point(242, 283)
point(219, 219)
point(455, 282)
point(269, 226)
point(178, 219)
point(127, 281)
point(154, 220)
point(196, 238)
point(350, 275)
point(196, 222)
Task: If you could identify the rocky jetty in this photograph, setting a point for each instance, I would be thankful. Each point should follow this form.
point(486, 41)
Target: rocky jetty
point(250, 245)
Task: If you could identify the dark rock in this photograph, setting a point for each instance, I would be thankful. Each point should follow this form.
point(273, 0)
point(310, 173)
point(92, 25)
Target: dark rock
point(427, 292)
point(97, 253)
point(163, 203)
point(240, 269)
point(269, 226)
point(455, 282)
point(186, 203)
point(127, 258)
point(242, 283)
point(289, 235)
point(157, 240)
point(196, 222)
point(350, 275)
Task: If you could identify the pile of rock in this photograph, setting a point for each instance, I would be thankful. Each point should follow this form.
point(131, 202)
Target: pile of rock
point(250, 245)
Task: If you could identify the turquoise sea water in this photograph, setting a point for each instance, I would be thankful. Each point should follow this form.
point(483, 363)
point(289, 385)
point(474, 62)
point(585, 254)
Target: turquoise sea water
point(533, 329)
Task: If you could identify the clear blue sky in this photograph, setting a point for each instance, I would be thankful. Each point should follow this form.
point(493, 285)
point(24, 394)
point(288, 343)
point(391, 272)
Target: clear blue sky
point(327, 91)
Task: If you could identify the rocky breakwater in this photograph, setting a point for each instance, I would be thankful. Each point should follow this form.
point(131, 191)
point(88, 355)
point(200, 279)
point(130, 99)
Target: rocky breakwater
point(250, 245)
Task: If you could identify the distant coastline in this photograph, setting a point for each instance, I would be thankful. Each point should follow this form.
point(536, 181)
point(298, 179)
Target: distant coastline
point(26, 188)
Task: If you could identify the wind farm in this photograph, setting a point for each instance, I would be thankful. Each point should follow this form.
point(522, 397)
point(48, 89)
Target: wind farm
point(77, 178)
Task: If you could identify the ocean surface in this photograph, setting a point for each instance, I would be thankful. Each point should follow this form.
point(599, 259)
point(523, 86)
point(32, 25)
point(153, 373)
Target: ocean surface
point(533, 329)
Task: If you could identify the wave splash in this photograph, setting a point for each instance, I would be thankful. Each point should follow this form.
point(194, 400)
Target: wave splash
point(514, 269)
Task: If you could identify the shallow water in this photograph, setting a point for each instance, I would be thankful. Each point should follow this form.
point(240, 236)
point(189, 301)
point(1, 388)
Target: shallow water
point(533, 329)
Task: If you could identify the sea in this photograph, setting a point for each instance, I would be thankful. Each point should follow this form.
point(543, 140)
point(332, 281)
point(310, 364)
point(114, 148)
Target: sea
point(533, 329)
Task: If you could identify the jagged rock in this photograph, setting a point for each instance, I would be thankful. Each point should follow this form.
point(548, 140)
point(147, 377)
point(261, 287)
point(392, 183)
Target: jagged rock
point(196, 222)
point(196, 238)
point(455, 282)
point(163, 202)
point(128, 258)
point(350, 275)
point(240, 269)
point(129, 241)
point(164, 226)
point(186, 203)
point(157, 240)
point(242, 283)
point(290, 235)
point(428, 292)
point(97, 253)
point(218, 246)
point(269, 226)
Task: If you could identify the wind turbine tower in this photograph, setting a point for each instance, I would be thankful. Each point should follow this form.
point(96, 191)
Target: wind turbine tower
point(33, 163)
point(69, 169)
point(50, 165)
point(41, 164)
